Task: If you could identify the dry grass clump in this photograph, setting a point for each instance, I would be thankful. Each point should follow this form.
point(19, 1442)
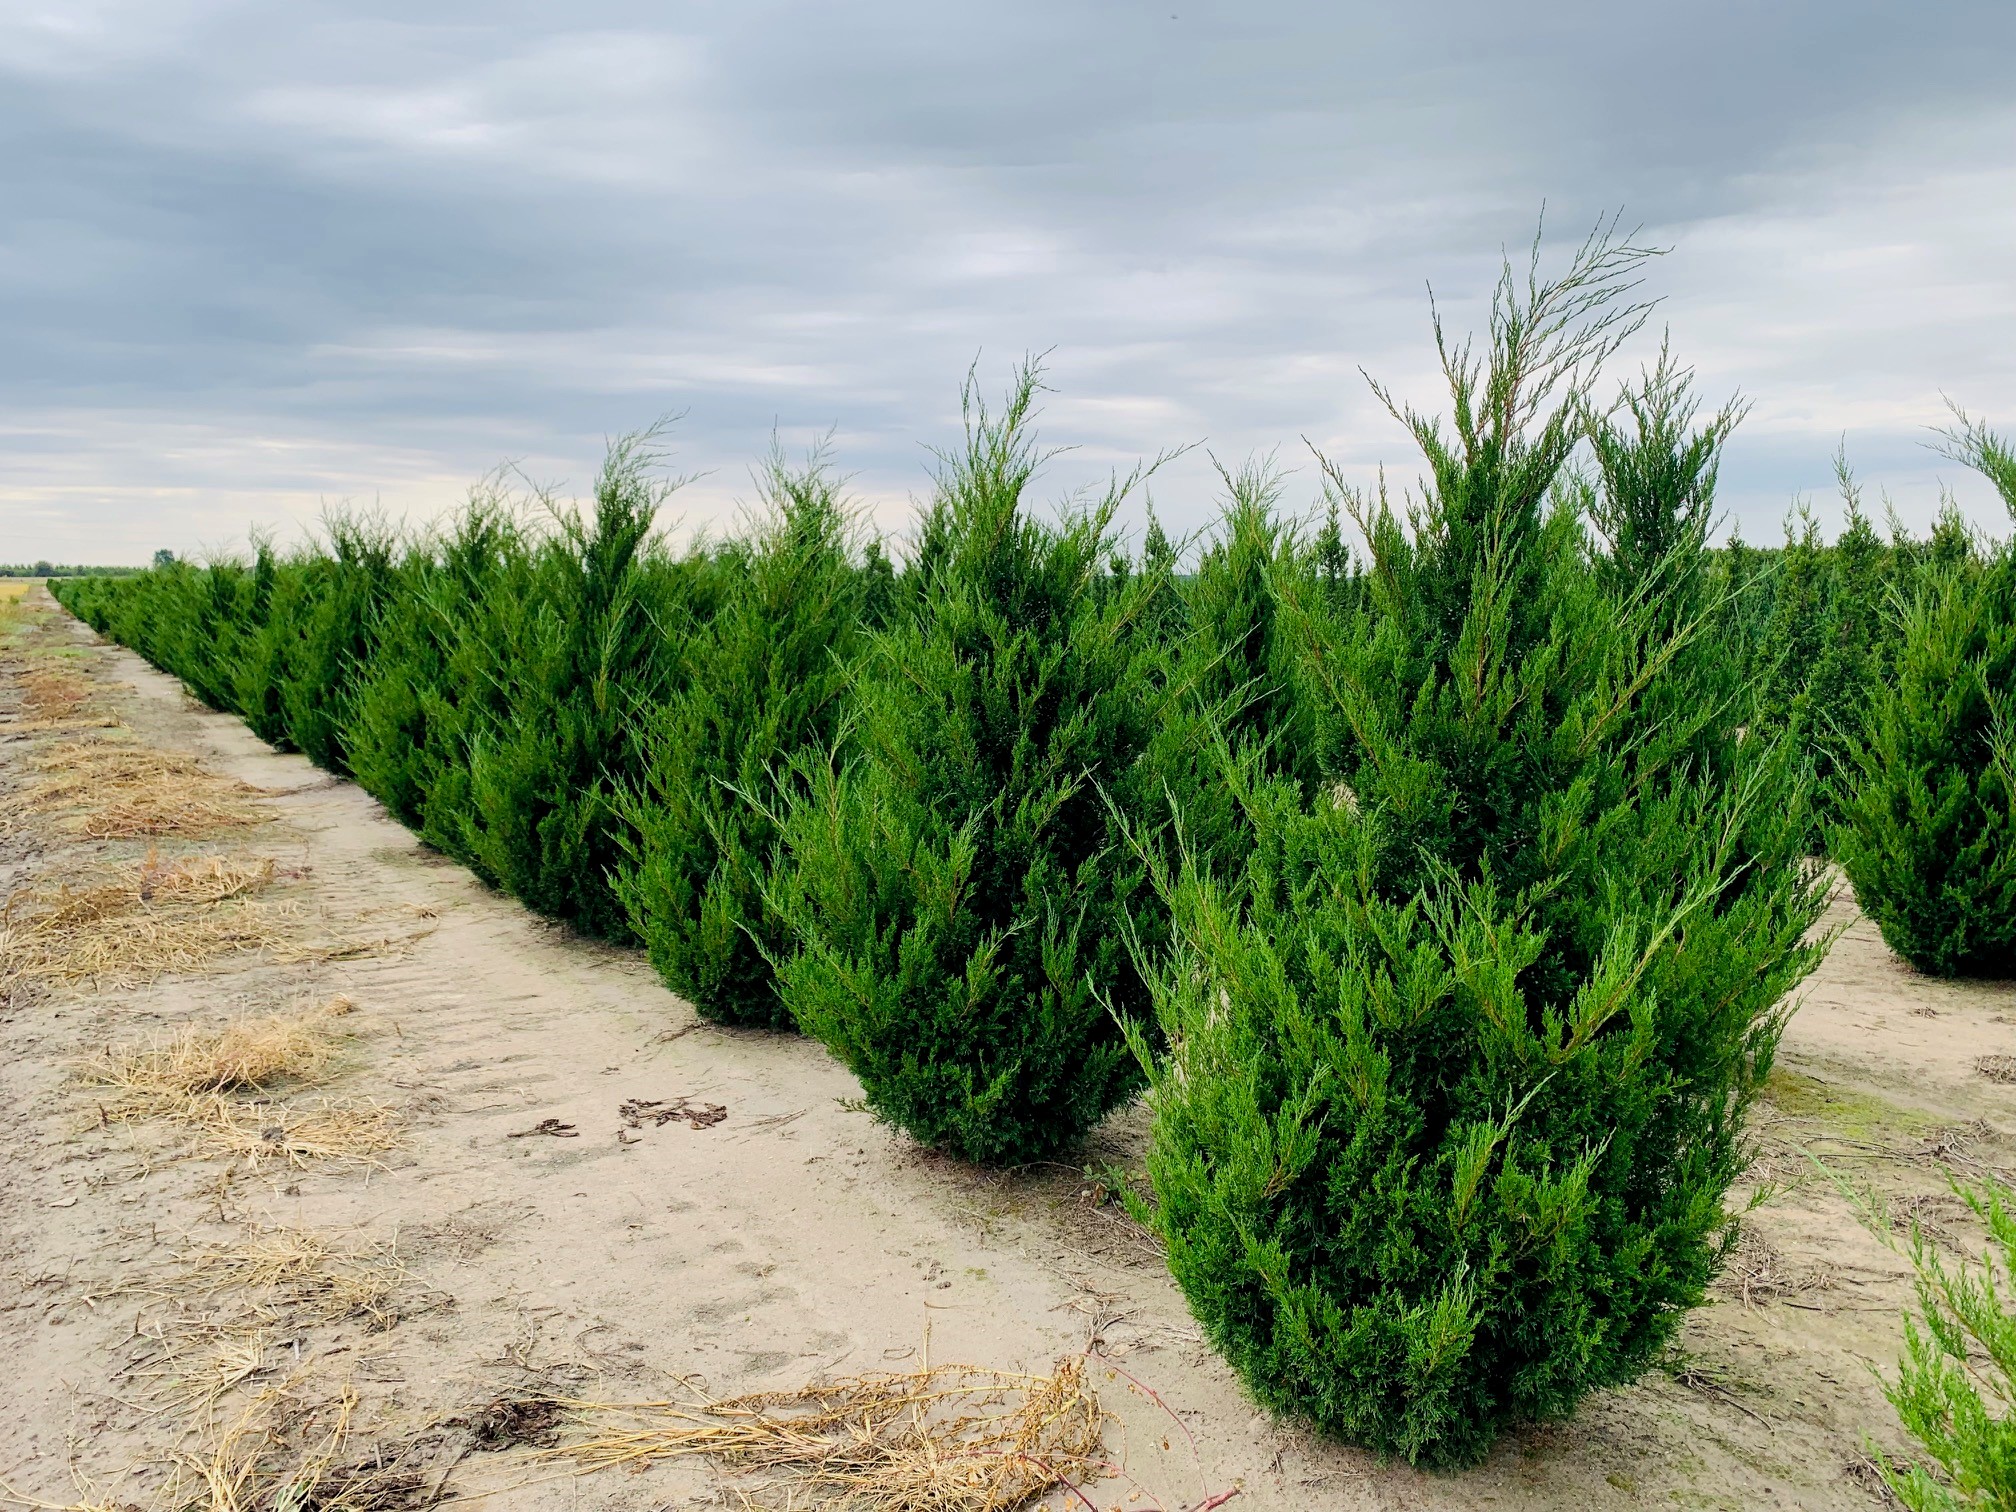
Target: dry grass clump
point(215, 1082)
point(219, 1353)
point(109, 790)
point(287, 1452)
point(256, 1132)
point(187, 1364)
point(54, 700)
point(287, 1278)
point(226, 1313)
point(142, 923)
point(282, 1451)
point(246, 1055)
point(952, 1439)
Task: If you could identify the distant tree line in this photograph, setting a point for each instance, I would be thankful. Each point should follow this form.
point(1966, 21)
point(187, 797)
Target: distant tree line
point(75, 569)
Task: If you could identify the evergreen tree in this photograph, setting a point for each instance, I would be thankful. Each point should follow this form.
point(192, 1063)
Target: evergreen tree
point(1741, 575)
point(1958, 1375)
point(761, 684)
point(424, 693)
point(1243, 671)
point(1797, 634)
point(1928, 809)
point(1166, 618)
point(1952, 541)
point(1851, 660)
point(308, 638)
point(956, 886)
point(335, 635)
point(1334, 567)
point(1457, 1069)
point(260, 668)
point(1234, 697)
point(1652, 507)
point(1656, 501)
point(596, 647)
point(880, 591)
point(202, 638)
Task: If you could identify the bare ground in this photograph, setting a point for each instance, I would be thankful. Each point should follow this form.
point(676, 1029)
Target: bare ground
point(189, 1321)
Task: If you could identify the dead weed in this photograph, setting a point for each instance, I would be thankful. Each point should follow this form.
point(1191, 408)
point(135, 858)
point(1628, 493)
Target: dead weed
point(257, 1132)
point(112, 790)
point(290, 1277)
point(140, 923)
point(257, 1054)
point(216, 1084)
point(56, 700)
point(1756, 1272)
point(288, 1452)
point(956, 1438)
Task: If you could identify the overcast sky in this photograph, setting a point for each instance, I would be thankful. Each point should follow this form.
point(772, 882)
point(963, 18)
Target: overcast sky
point(259, 257)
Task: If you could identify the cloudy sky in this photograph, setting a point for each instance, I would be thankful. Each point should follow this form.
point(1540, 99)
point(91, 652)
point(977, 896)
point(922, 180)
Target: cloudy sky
point(256, 258)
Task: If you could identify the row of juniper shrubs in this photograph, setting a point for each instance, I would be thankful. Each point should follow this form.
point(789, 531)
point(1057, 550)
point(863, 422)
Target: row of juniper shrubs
point(1457, 1062)
point(1447, 903)
point(1813, 622)
point(957, 895)
point(761, 687)
point(280, 641)
point(489, 684)
point(1928, 814)
point(590, 649)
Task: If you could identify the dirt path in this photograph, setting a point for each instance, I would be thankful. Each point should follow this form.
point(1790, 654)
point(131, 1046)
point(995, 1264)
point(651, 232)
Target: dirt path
point(164, 1292)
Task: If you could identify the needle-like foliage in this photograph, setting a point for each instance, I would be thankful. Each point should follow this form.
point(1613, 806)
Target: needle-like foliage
point(1956, 1386)
point(304, 663)
point(760, 685)
point(1232, 668)
point(595, 647)
point(426, 688)
point(1457, 1067)
point(1928, 831)
point(955, 886)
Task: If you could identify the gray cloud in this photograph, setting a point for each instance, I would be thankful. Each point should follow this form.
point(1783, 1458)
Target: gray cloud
point(256, 258)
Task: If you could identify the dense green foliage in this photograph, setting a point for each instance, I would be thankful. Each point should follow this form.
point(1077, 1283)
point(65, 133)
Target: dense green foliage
point(760, 685)
point(585, 655)
point(1446, 885)
point(1957, 1380)
point(1457, 1066)
point(957, 886)
point(297, 679)
point(1810, 621)
point(1928, 832)
point(1227, 669)
point(428, 684)
point(486, 684)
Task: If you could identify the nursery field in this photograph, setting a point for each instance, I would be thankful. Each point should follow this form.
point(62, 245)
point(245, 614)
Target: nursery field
point(336, 1179)
point(1486, 993)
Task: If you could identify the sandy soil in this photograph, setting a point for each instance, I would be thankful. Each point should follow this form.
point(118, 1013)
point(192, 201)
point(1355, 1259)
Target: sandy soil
point(793, 1239)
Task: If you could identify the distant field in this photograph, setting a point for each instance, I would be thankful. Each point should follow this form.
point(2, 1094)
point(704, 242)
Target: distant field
point(13, 588)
